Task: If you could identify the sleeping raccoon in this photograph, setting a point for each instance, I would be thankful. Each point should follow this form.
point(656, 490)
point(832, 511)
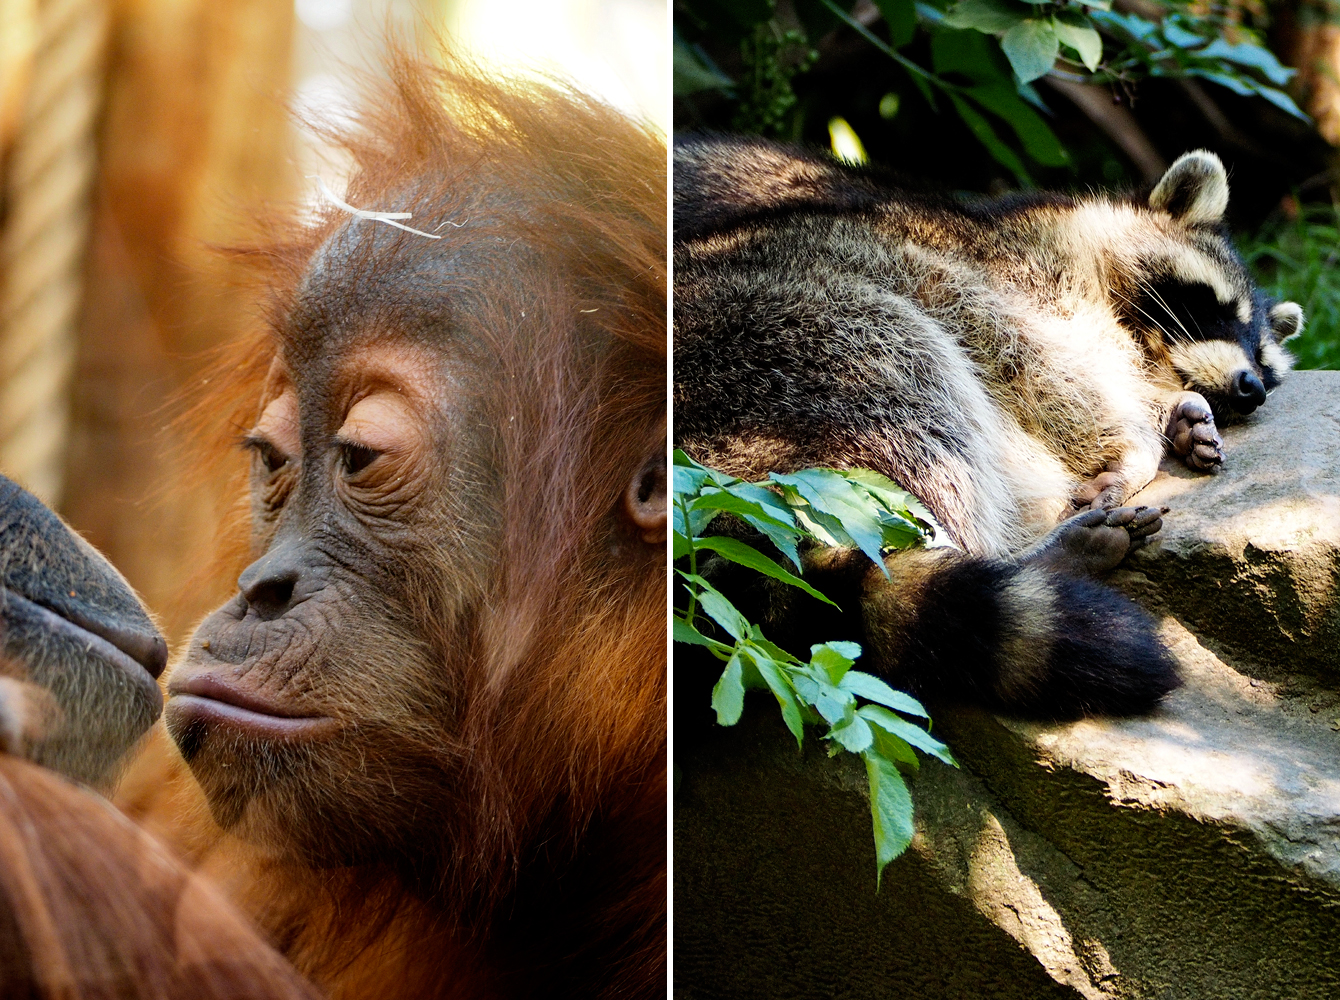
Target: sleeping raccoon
point(1008, 362)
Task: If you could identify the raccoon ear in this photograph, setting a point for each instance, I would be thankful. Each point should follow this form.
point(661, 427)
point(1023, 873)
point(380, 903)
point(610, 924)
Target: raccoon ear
point(1286, 321)
point(1194, 190)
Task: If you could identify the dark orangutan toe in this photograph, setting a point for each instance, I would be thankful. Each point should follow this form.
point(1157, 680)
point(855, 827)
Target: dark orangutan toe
point(1095, 541)
point(1193, 435)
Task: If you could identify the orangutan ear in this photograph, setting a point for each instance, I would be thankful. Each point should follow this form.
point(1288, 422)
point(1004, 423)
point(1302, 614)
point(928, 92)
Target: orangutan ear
point(646, 500)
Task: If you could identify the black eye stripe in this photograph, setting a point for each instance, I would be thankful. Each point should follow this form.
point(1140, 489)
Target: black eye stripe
point(1183, 310)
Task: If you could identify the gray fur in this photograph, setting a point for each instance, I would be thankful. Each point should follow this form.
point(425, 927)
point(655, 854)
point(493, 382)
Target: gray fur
point(1007, 362)
point(994, 359)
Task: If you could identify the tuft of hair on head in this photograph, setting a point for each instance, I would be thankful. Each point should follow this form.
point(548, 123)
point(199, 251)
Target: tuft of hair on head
point(1194, 191)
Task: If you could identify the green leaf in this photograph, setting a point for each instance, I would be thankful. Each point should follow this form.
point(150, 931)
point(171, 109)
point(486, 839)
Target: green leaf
point(894, 749)
point(990, 16)
point(684, 632)
point(1283, 101)
point(852, 734)
point(1246, 54)
point(901, 17)
point(831, 494)
point(889, 493)
point(770, 648)
point(687, 481)
point(871, 688)
point(905, 730)
point(1000, 152)
point(728, 693)
point(1031, 47)
point(1084, 39)
point(1038, 139)
point(831, 702)
point(777, 521)
point(680, 544)
point(890, 810)
point(968, 52)
point(776, 679)
point(693, 72)
point(717, 607)
point(834, 658)
point(746, 555)
point(1179, 36)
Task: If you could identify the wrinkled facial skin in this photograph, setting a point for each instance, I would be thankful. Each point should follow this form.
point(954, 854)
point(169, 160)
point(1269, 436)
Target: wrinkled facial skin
point(319, 689)
point(77, 640)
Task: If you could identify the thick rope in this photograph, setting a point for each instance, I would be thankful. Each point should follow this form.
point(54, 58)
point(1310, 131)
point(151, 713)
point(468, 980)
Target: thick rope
point(42, 249)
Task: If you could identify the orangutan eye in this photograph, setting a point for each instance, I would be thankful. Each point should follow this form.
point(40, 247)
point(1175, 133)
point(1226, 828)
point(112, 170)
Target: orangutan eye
point(271, 457)
point(356, 457)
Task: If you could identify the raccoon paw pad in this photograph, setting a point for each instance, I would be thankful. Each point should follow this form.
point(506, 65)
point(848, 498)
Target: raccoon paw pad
point(1095, 541)
point(1193, 435)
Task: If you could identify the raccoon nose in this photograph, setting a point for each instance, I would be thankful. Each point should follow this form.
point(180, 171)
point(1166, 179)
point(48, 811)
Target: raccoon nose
point(1247, 393)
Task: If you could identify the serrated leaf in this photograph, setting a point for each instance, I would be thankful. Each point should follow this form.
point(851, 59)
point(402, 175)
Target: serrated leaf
point(728, 693)
point(901, 17)
point(990, 16)
point(717, 607)
point(907, 731)
point(1031, 47)
point(684, 632)
point(831, 702)
point(853, 734)
point(686, 481)
point(831, 494)
point(823, 528)
point(892, 748)
point(771, 648)
point(871, 688)
point(890, 810)
point(680, 544)
point(776, 679)
point(728, 501)
point(834, 658)
point(1084, 39)
point(746, 555)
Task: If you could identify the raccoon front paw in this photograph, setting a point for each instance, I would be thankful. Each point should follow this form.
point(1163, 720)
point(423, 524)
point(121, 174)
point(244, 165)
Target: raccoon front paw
point(1192, 434)
point(1095, 541)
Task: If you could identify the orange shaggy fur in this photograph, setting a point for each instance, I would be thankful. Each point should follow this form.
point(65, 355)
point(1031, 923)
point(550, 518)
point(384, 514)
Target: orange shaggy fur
point(559, 848)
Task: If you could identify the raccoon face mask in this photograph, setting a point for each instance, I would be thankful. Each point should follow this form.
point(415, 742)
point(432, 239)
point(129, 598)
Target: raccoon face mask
point(1193, 302)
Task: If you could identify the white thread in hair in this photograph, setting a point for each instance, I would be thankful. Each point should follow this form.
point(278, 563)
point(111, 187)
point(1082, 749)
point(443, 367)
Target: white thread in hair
point(387, 217)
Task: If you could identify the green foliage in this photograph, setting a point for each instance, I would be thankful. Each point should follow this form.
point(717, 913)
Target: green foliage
point(985, 56)
point(1299, 259)
point(863, 715)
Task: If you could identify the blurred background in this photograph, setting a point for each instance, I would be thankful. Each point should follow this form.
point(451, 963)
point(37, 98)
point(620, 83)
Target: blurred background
point(992, 96)
point(137, 134)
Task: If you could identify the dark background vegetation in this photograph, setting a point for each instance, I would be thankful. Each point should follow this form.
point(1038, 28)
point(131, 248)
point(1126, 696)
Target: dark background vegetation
point(787, 68)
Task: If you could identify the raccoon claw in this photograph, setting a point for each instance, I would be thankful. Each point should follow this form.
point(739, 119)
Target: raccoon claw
point(1095, 541)
point(1193, 436)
